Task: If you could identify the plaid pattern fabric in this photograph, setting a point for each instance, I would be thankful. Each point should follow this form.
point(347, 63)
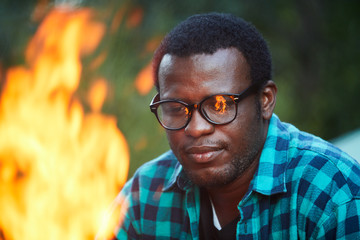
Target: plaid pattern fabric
point(304, 188)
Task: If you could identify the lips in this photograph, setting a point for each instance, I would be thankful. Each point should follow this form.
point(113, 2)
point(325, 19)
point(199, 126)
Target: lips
point(203, 154)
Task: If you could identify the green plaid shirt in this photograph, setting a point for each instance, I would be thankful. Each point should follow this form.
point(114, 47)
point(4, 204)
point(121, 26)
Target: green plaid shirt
point(304, 188)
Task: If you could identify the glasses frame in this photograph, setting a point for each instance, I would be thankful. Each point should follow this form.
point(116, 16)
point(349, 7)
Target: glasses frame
point(155, 103)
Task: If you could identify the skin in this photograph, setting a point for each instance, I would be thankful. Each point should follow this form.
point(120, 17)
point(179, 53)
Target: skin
point(220, 158)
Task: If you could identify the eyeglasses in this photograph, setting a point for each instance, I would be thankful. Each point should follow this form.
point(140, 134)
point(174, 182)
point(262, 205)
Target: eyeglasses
point(218, 109)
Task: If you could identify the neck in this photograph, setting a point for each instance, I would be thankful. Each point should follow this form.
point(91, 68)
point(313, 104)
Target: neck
point(226, 198)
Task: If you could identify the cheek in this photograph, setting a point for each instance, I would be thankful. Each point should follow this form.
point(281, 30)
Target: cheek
point(174, 139)
point(243, 131)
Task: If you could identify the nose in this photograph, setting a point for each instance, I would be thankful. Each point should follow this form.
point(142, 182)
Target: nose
point(198, 126)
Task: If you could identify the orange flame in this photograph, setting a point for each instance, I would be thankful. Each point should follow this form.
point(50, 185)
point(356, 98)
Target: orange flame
point(135, 17)
point(118, 18)
point(143, 81)
point(60, 168)
point(220, 104)
point(97, 94)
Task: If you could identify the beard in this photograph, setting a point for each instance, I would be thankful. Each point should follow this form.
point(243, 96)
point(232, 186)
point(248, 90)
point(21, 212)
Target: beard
point(227, 173)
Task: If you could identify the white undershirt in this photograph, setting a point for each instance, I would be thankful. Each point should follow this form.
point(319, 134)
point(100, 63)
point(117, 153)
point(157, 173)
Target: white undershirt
point(215, 218)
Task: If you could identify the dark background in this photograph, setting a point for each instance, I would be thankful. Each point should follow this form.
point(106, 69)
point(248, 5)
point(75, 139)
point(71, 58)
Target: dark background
point(315, 47)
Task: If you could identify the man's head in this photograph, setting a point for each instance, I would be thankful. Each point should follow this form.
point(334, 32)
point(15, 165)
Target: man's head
point(206, 33)
point(214, 147)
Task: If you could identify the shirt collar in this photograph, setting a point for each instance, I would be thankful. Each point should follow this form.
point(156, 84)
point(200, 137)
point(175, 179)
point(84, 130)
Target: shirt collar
point(269, 178)
point(178, 178)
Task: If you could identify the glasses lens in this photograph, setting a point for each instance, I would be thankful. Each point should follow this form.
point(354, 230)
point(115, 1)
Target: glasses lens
point(173, 114)
point(220, 109)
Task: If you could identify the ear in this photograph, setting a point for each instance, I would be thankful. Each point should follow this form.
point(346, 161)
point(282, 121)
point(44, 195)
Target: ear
point(268, 99)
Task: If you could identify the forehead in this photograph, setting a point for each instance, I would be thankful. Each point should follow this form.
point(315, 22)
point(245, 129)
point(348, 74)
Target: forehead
point(225, 71)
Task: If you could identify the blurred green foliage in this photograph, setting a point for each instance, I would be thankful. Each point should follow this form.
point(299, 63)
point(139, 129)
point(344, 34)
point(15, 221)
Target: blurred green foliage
point(315, 47)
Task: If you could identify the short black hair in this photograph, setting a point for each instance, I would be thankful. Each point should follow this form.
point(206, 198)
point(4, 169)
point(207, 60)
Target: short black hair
point(207, 33)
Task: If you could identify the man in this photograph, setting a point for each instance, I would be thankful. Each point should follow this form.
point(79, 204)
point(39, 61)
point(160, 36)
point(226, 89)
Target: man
point(234, 171)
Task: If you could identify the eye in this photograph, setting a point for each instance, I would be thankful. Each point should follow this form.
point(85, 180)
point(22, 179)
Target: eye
point(174, 109)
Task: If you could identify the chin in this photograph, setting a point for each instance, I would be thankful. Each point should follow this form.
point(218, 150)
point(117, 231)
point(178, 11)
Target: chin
point(210, 177)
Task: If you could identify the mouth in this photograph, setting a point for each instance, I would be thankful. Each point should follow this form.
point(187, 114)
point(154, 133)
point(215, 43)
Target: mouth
point(204, 154)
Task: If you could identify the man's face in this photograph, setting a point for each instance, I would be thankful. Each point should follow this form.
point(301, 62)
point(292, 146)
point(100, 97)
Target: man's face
point(213, 155)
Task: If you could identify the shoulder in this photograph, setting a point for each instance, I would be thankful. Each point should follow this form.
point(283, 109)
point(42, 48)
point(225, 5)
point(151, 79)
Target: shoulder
point(319, 174)
point(309, 158)
point(159, 167)
point(323, 180)
point(153, 175)
point(142, 198)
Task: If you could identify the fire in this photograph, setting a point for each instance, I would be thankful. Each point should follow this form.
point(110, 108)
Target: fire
point(135, 18)
point(60, 168)
point(144, 81)
point(220, 104)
